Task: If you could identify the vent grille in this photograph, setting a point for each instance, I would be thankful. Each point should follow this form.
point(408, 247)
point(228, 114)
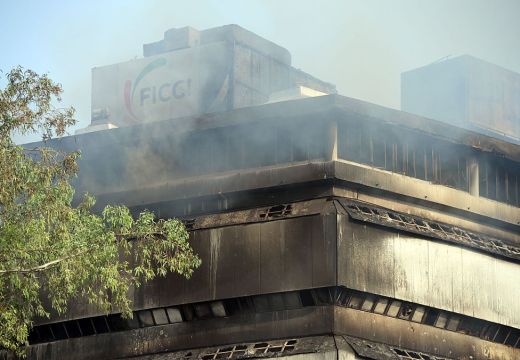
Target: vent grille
point(372, 350)
point(277, 211)
point(421, 226)
point(249, 350)
point(226, 353)
point(414, 355)
point(265, 348)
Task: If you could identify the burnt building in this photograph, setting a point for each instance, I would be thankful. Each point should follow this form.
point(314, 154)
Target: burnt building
point(329, 228)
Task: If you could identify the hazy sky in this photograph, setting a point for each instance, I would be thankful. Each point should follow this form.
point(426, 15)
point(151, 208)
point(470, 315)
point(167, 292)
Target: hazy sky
point(361, 46)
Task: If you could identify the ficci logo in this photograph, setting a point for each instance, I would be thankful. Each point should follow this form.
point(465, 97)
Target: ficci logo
point(167, 91)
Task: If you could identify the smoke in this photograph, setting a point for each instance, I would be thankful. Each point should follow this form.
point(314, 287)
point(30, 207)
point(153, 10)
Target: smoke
point(361, 46)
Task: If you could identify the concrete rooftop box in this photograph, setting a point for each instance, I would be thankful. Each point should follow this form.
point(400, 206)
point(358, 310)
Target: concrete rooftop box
point(192, 72)
point(467, 92)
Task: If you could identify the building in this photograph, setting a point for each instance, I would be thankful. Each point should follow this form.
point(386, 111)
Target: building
point(192, 72)
point(329, 228)
point(467, 92)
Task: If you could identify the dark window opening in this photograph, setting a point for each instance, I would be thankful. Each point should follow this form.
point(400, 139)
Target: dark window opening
point(416, 156)
point(339, 296)
point(498, 179)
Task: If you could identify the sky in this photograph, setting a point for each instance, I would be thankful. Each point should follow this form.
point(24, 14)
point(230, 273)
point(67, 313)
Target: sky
point(361, 46)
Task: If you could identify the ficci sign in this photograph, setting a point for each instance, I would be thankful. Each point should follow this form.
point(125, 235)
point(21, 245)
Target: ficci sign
point(181, 83)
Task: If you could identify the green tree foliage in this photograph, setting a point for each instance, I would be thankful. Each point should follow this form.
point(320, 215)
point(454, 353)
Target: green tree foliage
point(52, 252)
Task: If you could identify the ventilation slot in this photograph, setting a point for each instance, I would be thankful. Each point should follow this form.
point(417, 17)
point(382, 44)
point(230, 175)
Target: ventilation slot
point(248, 350)
point(226, 353)
point(264, 348)
point(420, 314)
point(372, 350)
point(277, 211)
point(339, 296)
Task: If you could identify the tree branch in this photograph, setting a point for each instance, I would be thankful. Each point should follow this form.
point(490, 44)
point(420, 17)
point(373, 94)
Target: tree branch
point(42, 267)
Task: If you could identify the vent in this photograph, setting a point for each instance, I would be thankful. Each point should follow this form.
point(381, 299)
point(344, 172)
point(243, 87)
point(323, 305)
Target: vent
point(421, 226)
point(424, 315)
point(277, 211)
point(265, 348)
point(249, 350)
point(414, 355)
point(372, 350)
point(226, 353)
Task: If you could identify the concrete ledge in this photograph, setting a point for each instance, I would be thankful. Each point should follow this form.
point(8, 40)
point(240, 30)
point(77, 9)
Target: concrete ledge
point(408, 335)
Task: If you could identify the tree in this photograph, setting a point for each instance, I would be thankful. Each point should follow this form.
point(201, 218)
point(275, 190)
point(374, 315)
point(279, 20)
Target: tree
point(52, 252)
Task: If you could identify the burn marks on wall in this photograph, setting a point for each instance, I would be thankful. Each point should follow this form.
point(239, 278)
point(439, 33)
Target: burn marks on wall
point(170, 315)
point(261, 214)
point(418, 156)
point(499, 179)
point(423, 315)
point(240, 147)
point(414, 224)
point(156, 155)
point(424, 157)
point(286, 301)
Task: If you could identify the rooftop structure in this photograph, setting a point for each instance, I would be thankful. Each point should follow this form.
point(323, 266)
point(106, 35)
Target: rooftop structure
point(467, 92)
point(193, 72)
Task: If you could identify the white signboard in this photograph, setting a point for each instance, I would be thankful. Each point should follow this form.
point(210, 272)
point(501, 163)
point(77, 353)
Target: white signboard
point(175, 84)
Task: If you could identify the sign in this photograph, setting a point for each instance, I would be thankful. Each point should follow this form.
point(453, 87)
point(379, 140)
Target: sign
point(180, 83)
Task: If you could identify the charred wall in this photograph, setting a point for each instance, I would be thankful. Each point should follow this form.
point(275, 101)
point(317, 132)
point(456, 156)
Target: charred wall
point(195, 152)
point(310, 268)
point(317, 243)
point(258, 255)
point(265, 194)
point(433, 273)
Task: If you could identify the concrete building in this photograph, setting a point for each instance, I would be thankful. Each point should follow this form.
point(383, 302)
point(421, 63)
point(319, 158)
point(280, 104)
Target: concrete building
point(467, 92)
point(192, 72)
point(329, 228)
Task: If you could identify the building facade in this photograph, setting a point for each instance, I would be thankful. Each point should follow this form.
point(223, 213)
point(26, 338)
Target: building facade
point(328, 228)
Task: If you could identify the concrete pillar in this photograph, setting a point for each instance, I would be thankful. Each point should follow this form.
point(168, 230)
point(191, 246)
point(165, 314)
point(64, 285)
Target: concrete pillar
point(473, 176)
point(333, 140)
